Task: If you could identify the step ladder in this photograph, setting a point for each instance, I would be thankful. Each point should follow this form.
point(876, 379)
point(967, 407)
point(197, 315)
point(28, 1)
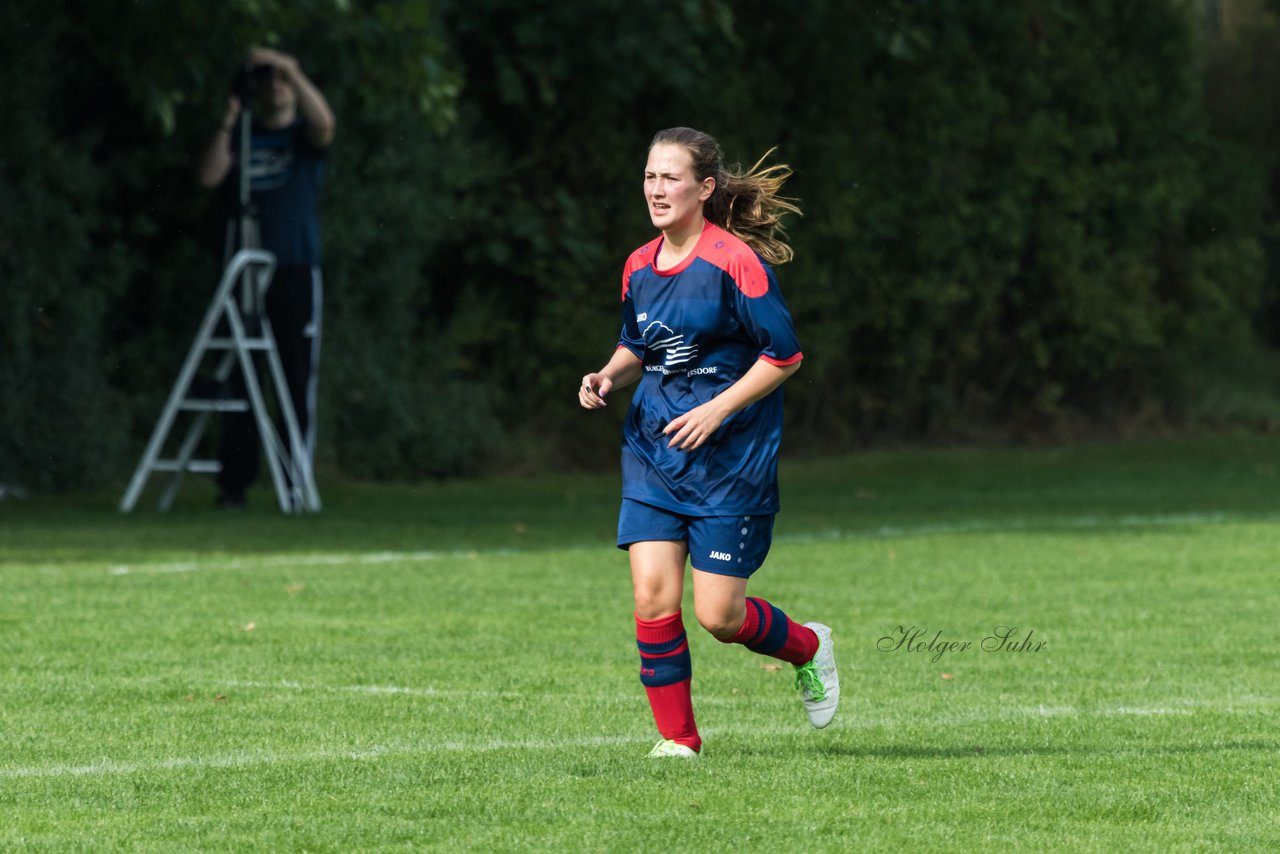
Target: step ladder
point(290, 465)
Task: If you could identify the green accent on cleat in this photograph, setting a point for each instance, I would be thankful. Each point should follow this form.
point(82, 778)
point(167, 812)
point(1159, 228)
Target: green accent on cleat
point(807, 679)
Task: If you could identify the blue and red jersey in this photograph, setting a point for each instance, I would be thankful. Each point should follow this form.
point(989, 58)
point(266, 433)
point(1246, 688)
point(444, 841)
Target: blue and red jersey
point(699, 327)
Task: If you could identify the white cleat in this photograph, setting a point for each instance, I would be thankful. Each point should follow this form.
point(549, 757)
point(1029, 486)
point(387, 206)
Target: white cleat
point(818, 681)
point(668, 749)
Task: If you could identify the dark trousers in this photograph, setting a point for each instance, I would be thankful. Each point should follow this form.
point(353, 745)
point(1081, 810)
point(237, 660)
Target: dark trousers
point(293, 309)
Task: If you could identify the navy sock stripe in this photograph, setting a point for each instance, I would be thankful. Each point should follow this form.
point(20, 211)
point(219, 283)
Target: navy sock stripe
point(777, 635)
point(656, 672)
point(664, 648)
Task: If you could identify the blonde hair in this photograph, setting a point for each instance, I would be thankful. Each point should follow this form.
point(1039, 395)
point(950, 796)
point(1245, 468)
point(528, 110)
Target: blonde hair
point(744, 203)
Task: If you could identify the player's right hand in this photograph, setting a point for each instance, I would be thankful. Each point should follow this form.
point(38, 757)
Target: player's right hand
point(592, 391)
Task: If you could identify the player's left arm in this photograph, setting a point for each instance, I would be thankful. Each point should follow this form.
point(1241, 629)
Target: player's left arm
point(698, 424)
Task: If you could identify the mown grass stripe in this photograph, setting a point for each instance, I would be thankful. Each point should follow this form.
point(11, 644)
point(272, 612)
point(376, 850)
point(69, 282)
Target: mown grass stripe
point(258, 758)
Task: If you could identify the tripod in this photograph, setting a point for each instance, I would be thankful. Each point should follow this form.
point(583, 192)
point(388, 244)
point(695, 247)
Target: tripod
point(248, 270)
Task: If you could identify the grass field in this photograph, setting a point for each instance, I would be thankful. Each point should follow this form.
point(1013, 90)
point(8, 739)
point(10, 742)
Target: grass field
point(452, 666)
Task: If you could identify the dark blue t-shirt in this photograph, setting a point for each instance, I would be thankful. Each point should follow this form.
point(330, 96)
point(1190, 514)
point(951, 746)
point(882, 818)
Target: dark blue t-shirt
point(285, 174)
point(699, 327)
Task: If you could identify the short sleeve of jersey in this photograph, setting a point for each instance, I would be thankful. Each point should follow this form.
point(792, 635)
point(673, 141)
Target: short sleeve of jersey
point(758, 303)
point(630, 336)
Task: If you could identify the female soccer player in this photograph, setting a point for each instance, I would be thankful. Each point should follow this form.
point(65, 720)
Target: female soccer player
point(706, 331)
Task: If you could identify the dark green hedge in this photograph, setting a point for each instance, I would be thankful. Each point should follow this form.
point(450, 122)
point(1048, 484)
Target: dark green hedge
point(1019, 215)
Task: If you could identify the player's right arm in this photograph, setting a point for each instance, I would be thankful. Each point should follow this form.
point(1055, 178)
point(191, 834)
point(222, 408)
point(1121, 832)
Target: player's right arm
point(627, 363)
point(216, 161)
point(623, 369)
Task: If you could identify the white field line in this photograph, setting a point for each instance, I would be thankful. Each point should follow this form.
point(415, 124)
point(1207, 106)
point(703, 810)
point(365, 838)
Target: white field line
point(247, 759)
point(255, 758)
point(453, 694)
point(1059, 523)
point(327, 559)
point(385, 690)
point(1052, 523)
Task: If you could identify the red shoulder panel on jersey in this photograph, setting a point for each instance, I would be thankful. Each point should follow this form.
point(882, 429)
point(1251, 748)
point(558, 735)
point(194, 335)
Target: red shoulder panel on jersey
point(735, 257)
point(638, 260)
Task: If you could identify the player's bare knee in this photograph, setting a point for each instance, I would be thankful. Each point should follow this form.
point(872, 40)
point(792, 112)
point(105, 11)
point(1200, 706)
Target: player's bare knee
point(723, 624)
point(654, 602)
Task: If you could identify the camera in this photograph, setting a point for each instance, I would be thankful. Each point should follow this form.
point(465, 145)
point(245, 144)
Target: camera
point(249, 79)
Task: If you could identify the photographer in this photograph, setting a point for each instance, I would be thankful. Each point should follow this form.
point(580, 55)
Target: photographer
point(292, 126)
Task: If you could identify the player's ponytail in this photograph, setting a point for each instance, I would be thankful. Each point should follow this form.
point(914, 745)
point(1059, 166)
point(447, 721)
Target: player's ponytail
point(745, 203)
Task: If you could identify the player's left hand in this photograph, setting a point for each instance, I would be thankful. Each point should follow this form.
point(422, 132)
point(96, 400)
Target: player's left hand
point(695, 427)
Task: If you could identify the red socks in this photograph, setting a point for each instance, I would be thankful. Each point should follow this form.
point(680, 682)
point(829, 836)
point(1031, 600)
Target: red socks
point(770, 632)
point(666, 672)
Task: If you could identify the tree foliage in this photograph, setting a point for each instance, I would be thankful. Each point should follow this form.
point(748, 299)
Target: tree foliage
point(1018, 214)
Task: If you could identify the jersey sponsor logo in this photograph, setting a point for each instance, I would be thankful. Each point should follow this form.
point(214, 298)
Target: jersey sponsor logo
point(642, 317)
point(721, 556)
point(658, 336)
point(693, 372)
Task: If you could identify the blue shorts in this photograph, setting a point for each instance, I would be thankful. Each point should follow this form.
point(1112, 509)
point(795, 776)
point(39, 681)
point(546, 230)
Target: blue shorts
point(725, 545)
